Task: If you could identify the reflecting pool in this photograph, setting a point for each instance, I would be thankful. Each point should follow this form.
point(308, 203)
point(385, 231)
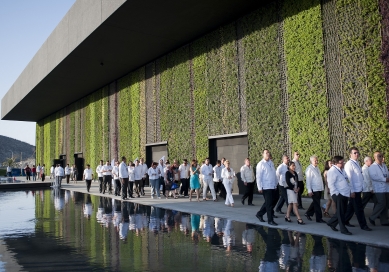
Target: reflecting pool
point(62, 230)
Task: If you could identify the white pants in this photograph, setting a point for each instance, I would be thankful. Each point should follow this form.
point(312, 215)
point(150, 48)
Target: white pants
point(229, 198)
point(206, 183)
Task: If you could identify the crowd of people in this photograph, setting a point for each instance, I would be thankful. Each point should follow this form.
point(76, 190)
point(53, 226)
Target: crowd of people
point(347, 187)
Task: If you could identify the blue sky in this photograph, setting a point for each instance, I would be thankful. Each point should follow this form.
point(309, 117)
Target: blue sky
point(24, 26)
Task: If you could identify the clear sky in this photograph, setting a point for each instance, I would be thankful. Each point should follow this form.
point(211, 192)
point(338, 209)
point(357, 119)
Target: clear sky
point(24, 26)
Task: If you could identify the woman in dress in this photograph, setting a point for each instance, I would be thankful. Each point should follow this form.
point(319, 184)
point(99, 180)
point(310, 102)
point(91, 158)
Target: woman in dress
point(194, 180)
point(228, 175)
point(327, 194)
point(291, 179)
point(169, 180)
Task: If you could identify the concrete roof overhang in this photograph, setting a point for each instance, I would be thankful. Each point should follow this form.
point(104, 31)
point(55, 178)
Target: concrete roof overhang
point(123, 35)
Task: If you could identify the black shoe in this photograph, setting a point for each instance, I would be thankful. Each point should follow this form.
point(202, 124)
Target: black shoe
point(124, 198)
point(321, 221)
point(300, 222)
point(349, 225)
point(366, 228)
point(242, 201)
point(251, 204)
point(308, 217)
point(346, 232)
point(387, 224)
point(372, 222)
point(104, 192)
point(333, 228)
point(275, 216)
point(260, 218)
point(272, 223)
point(280, 212)
point(287, 219)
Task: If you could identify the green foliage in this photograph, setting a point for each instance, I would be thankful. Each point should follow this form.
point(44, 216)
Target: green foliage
point(142, 112)
point(306, 85)
point(262, 76)
point(124, 116)
point(104, 124)
point(201, 115)
point(134, 123)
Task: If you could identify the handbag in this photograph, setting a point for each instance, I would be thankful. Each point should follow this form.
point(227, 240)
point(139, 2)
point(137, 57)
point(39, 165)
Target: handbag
point(174, 186)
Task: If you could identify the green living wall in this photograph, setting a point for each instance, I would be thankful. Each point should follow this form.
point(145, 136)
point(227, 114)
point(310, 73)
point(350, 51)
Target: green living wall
point(295, 75)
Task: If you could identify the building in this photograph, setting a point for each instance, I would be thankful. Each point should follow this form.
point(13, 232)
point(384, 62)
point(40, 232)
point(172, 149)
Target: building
point(191, 79)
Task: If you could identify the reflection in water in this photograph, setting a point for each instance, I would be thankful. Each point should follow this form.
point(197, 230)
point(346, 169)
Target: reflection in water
point(75, 231)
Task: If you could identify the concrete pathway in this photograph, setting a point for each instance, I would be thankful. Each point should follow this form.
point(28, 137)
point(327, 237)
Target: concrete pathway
point(243, 213)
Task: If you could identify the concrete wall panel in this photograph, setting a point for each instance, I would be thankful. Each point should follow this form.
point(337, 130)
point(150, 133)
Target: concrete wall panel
point(58, 44)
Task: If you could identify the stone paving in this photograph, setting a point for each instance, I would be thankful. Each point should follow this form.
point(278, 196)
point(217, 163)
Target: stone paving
point(243, 213)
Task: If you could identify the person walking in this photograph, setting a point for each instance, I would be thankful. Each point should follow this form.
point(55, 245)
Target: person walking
point(144, 175)
point(107, 177)
point(87, 177)
point(169, 180)
point(292, 189)
point(123, 175)
point(184, 177)
point(315, 188)
point(131, 179)
point(67, 173)
point(38, 171)
point(161, 168)
point(52, 174)
point(228, 176)
point(138, 178)
point(280, 172)
point(267, 184)
point(247, 176)
point(327, 193)
point(340, 189)
point(355, 177)
point(115, 172)
point(300, 174)
point(207, 171)
point(378, 173)
point(194, 180)
point(217, 179)
point(100, 175)
point(368, 192)
point(43, 168)
point(33, 171)
point(9, 171)
point(59, 174)
point(27, 170)
point(154, 180)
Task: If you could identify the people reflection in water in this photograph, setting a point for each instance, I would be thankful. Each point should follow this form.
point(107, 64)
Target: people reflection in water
point(272, 240)
point(248, 237)
point(219, 226)
point(294, 262)
point(185, 223)
point(318, 260)
point(117, 214)
point(208, 227)
point(229, 235)
point(100, 210)
point(88, 207)
point(107, 216)
point(124, 224)
point(195, 223)
point(59, 201)
point(284, 250)
point(155, 219)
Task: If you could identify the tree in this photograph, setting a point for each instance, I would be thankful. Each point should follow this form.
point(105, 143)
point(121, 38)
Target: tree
point(10, 162)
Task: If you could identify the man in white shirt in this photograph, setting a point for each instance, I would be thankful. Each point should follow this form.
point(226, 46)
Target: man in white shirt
point(59, 174)
point(340, 189)
point(378, 173)
point(67, 173)
point(207, 171)
point(144, 175)
point(99, 171)
point(267, 184)
point(355, 176)
point(107, 177)
point(247, 176)
point(218, 180)
point(184, 176)
point(154, 180)
point(38, 171)
point(115, 172)
point(88, 176)
point(9, 171)
point(123, 176)
point(280, 172)
point(161, 168)
point(138, 178)
point(300, 175)
point(52, 172)
point(368, 192)
point(315, 188)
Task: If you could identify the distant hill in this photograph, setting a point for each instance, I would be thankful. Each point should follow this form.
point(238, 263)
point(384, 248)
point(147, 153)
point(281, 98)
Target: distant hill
point(8, 144)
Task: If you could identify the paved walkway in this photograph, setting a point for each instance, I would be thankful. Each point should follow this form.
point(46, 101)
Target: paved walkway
point(379, 236)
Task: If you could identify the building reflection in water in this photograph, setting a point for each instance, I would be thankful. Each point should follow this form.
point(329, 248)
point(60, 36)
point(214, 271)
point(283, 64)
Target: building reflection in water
point(113, 235)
